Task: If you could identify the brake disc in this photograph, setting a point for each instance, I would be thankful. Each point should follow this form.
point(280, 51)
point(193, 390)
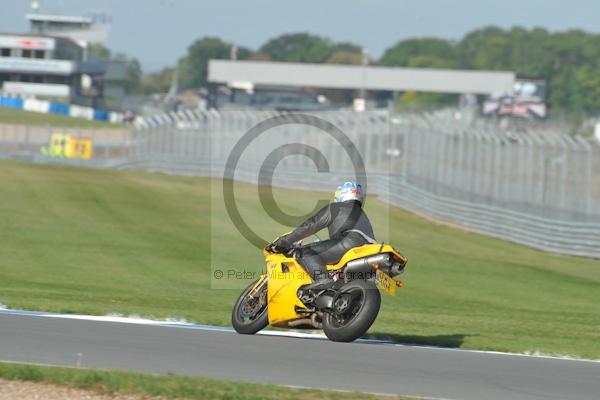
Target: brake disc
point(341, 303)
point(252, 307)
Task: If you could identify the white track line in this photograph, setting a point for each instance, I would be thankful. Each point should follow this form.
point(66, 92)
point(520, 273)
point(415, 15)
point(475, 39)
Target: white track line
point(289, 333)
point(370, 393)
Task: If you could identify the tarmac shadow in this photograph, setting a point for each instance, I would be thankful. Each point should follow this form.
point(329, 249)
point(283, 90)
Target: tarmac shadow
point(454, 340)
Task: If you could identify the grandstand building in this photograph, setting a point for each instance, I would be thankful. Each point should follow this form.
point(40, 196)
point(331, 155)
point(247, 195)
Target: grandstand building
point(51, 62)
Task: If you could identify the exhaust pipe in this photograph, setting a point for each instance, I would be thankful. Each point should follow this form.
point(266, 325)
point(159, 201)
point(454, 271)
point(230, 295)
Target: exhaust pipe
point(382, 260)
point(363, 267)
point(300, 322)
point(312, 321)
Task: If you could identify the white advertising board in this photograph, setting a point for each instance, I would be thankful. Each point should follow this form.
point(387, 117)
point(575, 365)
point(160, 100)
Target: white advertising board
point(53, 67)
point(36, 89)
point(27, 42)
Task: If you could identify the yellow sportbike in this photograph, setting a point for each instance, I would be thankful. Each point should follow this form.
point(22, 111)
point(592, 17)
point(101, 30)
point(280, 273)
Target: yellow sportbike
point(345, 312)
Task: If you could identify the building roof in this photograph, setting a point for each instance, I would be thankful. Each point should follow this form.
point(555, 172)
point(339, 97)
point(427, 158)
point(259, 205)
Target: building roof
point(58, 38)
point(59, 18)
point(357, 77)
point(35, 35)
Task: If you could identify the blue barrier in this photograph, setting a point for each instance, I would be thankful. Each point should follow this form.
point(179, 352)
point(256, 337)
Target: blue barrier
point(100, 115)
point(11, 102)
point(59, 108)
point(54, 108)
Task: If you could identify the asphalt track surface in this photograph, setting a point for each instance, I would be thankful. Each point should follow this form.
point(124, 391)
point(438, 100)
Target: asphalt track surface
point(366, 366)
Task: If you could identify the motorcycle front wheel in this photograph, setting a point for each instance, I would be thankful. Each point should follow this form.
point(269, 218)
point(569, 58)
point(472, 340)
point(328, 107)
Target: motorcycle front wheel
point(354, 311)
point(250, 314)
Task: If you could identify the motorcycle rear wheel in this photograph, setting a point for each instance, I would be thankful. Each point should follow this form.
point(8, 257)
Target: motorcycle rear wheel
point(362, 302)
point(250, 316)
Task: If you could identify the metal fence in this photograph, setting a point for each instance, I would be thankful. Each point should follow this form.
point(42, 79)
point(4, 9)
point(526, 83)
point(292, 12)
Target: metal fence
point(535, 187)
point(27, 142)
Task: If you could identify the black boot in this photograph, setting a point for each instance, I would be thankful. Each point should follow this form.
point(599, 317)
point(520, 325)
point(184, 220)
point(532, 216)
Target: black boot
point(319, 285)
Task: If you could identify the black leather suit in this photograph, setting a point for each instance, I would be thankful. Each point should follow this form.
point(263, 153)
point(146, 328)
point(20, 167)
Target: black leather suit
point(339, 218)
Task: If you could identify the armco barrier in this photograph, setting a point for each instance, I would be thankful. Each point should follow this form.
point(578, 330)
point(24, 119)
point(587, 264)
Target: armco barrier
point(39, 106)
point(59, 108)
point(100, 115)
point(82, 112)
point(581, 239)
point(115, 118)
point(47, 107)
point(11, 102)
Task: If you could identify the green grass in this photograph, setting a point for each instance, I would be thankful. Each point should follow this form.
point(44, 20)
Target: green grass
point(166, 386)
point(99, 242)
point(11, 116)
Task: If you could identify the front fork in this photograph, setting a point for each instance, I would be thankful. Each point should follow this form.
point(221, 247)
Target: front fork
point(258, 287)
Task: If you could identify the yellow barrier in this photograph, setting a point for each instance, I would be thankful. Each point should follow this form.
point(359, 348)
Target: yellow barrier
point(79, 148)
point(66, 146)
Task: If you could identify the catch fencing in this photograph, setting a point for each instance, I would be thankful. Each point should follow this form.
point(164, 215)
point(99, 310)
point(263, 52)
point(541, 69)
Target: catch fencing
point(531, 186)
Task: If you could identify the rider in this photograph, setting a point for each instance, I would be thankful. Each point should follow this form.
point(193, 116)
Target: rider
point(348, 227)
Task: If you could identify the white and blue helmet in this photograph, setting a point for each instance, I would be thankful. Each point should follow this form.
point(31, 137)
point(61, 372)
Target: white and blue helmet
point(349, 191)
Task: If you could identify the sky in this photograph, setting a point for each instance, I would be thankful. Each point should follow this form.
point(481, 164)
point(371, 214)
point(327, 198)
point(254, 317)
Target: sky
point(158, 32)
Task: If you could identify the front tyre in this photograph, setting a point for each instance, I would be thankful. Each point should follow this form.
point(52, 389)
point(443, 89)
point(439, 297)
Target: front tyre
point(249, 314)
point(355, 310)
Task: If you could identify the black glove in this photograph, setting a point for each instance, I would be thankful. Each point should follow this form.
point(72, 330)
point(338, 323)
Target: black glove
point(282, 243)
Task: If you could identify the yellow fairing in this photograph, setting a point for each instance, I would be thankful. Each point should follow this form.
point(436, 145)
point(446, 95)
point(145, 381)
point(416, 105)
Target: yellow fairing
point(285, 278)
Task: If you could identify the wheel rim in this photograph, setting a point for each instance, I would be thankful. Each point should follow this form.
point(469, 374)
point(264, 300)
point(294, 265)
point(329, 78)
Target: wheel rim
point(347, 306)
point(252, 308)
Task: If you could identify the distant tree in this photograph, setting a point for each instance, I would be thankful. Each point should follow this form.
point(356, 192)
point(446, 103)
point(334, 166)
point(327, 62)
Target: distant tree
point(528, 54)
point(568, 61)
point(401, 54)
point(259, 57)
point(187, 73)
point(347, 47)
point(133, 77)
point(133, 68)
point(158, 82)
point(244, 53)
point(473, 50)
point(298, 47)
point(429, 61)
point(345, 57)
point(422, 53)
point(98, 51)
point(424, 100)
point(346, 53)
point(568, 70)
point(588, 83)
point(120, 57)
point(193, 67)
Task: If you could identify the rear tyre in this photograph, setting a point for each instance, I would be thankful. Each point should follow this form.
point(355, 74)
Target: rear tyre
point(250, 315)
point(357, 307)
